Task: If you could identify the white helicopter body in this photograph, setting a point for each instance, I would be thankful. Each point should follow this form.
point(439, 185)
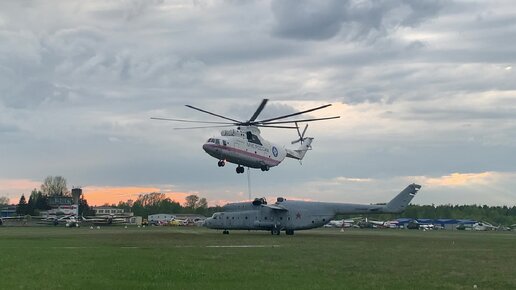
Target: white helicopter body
point(245, 147)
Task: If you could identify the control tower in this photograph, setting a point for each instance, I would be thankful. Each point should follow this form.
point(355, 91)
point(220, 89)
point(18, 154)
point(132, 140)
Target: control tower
point(76, 195)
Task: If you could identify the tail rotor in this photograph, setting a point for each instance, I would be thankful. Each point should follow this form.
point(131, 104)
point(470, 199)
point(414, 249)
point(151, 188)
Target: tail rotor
point(302, 137)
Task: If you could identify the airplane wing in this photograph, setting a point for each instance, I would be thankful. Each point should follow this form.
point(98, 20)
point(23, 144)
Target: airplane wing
point(275, 207)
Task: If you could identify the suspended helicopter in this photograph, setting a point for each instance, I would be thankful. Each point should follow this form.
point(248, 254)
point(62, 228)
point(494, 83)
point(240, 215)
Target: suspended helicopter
point(245, 147)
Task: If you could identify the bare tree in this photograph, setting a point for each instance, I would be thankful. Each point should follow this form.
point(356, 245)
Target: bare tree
point(4, 200)
point(55, 185)
point(191, 201)
point(151, 199)
point(203, 203)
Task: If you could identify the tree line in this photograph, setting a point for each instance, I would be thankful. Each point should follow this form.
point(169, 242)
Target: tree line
point(156, 202)
point(144, 205)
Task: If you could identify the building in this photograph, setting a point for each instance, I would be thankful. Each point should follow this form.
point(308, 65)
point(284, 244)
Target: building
point(108, 210)
point(61, 205)
point(8, 211)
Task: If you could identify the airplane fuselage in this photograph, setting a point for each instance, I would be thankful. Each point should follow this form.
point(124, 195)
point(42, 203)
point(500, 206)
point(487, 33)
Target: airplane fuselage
point(300, 215)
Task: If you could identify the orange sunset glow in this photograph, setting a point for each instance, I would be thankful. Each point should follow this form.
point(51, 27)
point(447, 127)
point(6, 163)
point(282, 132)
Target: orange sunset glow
point(96, 195)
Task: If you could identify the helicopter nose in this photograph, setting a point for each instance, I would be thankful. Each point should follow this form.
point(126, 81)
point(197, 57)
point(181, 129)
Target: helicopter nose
point(206, 147)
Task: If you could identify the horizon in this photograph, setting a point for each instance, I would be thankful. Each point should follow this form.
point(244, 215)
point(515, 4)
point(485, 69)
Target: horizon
point(132, 193)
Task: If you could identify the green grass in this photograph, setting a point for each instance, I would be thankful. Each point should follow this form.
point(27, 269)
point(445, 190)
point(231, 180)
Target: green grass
point(197, 258)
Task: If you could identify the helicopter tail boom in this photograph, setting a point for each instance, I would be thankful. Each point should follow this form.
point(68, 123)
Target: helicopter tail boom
point(299, 153)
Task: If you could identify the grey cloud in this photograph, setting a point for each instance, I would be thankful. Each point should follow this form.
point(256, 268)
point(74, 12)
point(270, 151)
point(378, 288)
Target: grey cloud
point(29, 94)
point(8, 128)
point(421, 11)
point(448, 114)
point(317, 20)
point(358, 20)
point(127, 10)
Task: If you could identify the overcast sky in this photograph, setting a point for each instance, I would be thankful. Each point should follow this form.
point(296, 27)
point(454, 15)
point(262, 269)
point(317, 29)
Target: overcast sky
point(426, 91)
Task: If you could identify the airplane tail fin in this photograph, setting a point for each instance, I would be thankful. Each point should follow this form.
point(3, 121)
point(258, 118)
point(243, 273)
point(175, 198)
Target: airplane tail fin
point(301, 151)
point(400, 202)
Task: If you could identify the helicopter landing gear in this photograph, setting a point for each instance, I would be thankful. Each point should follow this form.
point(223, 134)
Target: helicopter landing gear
point(221, 163)
point(265, 168)
point(239, 169)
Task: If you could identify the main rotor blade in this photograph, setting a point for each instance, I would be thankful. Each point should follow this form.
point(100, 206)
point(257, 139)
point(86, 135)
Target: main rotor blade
point(280, 127)
point(259, 110)
point(203, 127)
point(213, 114)
point(294, 114)
point(189, 121)
point(301, 121)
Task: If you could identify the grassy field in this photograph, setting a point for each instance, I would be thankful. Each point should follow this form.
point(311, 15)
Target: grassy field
point(197, 258)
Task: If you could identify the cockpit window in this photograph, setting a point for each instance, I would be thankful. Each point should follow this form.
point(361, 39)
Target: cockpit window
point(253, 138)
point(217, 141)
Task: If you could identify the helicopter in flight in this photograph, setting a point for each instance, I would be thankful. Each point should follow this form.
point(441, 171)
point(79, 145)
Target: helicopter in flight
point(245, 147)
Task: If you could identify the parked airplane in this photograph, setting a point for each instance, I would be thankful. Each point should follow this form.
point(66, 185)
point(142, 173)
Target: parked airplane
point(105, 219)
point(297, 215)
point(68, 220)
point(343, 223)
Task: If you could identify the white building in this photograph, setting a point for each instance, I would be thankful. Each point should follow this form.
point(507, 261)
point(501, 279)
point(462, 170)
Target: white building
point(161, 217)
point(104, 210)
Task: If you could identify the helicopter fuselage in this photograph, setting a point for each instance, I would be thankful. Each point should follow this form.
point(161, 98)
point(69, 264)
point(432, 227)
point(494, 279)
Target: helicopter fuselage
point(245, 148)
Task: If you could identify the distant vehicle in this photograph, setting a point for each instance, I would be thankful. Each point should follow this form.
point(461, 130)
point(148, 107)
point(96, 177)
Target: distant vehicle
point(244, 146)
point(464, 227)
point(426, 226)
point(484, 226)
point(178, 222)
point(413, 225)
point(288, 216)
point(392, 224)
